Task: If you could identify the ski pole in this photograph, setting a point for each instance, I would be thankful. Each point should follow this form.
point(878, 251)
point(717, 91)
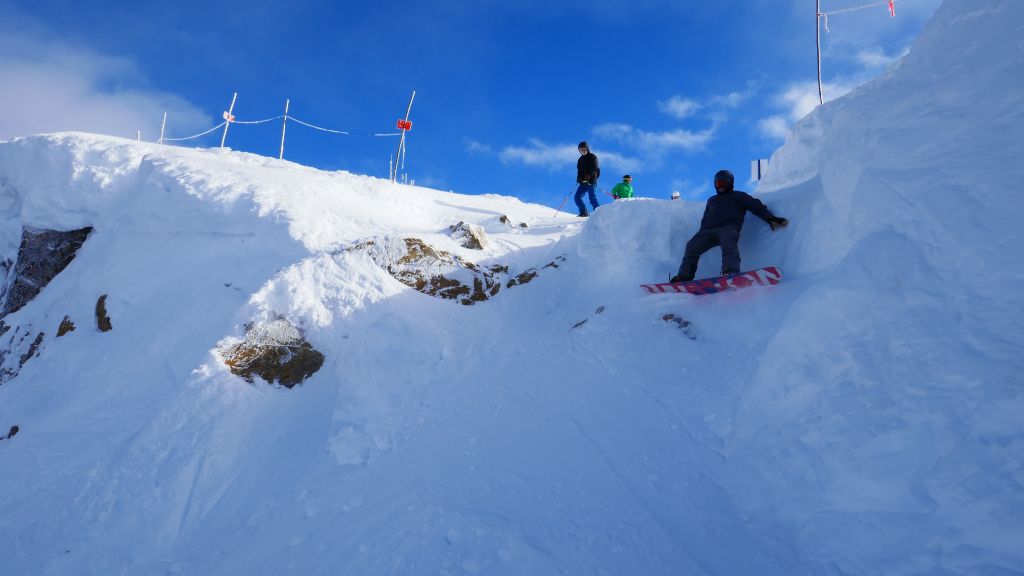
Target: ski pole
point(560, 206)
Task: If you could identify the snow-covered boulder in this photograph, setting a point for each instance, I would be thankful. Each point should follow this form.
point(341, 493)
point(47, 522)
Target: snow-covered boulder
point(275, 351)
point(469, 235)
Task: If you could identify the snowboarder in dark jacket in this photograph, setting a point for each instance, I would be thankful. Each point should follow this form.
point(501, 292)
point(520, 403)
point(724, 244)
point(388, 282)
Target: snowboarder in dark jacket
point(587, 173)
point(720, 226)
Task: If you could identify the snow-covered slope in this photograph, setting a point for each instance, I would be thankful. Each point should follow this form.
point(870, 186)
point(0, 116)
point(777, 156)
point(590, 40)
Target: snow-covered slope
point(860, 418)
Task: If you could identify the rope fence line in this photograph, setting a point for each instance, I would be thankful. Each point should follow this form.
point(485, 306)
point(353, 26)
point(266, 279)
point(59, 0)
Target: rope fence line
point(322, 129)
point(162, 139)
point(229, 119)
point(264, 121)
point(823, 16)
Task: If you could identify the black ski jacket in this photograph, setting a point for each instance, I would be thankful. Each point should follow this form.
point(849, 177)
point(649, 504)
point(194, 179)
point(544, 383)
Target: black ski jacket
point(728, 207)
point(587, 169)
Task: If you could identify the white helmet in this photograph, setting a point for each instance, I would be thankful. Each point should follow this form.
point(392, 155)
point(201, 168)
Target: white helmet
point(675, 195)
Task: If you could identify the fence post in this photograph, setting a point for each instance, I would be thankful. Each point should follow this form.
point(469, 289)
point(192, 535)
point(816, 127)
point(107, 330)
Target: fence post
point(284, 124)
point(227, 119)
point(817, 39)
point(401, 141)
point(162, 126)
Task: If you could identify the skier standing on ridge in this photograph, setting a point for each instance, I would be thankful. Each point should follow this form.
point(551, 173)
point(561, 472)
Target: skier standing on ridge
point(720, 226)
point(587, 173)
point(623, 189)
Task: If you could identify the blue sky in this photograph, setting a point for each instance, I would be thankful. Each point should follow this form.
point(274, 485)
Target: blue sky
point(667, 90)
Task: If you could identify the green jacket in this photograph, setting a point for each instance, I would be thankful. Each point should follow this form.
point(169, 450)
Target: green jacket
point(622, 190)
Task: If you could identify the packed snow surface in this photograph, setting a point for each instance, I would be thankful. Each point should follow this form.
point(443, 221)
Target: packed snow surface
point(863, 417)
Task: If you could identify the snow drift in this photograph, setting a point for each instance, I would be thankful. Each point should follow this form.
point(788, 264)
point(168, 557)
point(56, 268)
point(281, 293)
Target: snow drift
point(860, 418)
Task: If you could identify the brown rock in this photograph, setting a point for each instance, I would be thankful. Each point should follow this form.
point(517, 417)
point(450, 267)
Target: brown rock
point(66, 325)
point(102, 320)
point(274, 351)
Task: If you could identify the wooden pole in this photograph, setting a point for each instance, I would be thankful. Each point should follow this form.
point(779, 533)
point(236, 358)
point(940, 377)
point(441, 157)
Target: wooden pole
point(227, 119)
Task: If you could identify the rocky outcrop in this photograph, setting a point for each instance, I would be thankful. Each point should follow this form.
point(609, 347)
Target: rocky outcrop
point(66, 325)
point(508, 222)
point(469, 236)
point(16, 350)
point(275, 351)
point(102, 319)
point(529, 274)
point(442, 274)
point(435, 272)
point(41, 256)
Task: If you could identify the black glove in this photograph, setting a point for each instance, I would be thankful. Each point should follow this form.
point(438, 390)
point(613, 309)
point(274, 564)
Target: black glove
point(777, 223)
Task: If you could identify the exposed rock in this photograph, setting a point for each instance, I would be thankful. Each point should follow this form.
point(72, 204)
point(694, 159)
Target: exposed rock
point(102, 320)
point(22, 345)
point(42, 255)
point(578, 324)
point(523, 277)
point(469, 236)
point(683, 324)
point(14, 430)
point(32, 350)
point(66, 325)
point(554, 263)
point(274, 351)
point(508, 221)
point(435, 272)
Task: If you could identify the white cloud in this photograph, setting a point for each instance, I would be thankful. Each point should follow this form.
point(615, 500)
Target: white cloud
point(732, 99)
point(796, 101)
point(656, 144)
point(51, 86)
point(477, 147)
point(562, 157)
point(877, 58)
point(775, 127)
point(679, 107)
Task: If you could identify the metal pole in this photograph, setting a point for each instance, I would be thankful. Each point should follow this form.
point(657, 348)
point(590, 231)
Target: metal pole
point(401, 141)
point(138, 135)
point(284, 124)
point(817, 40)
point(162, 126)
point(227, 119)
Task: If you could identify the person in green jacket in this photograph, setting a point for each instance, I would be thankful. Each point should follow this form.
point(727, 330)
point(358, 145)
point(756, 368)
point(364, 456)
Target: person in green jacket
point(623, 189)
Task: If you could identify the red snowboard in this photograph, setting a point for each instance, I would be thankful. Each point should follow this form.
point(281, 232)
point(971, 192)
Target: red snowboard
point(761, 277)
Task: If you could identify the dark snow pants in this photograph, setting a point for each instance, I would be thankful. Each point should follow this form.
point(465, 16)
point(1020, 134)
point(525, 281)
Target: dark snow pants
point(728, 237)
point(585, 188)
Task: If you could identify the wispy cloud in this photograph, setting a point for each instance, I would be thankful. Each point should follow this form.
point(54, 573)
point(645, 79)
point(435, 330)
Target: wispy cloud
point(50, 86)
point(796, 101)
point(877, 58)
point(477, 147)
point(557, 157)
point(679, 107)
point(656, 144)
